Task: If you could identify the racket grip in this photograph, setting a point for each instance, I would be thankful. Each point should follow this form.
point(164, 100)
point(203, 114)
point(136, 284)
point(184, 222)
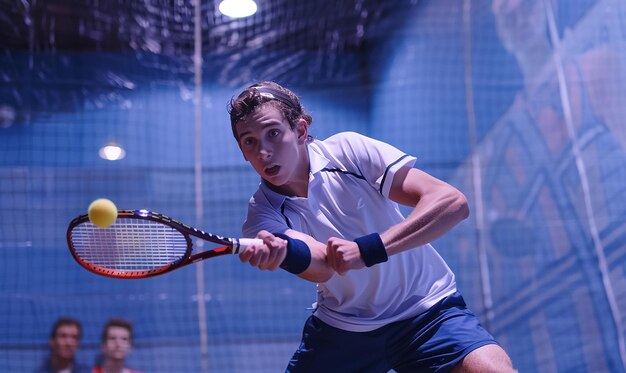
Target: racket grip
point(245, 242)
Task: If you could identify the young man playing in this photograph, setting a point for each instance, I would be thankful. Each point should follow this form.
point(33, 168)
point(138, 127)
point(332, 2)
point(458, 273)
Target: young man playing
point(64, 342)
point(327, 211)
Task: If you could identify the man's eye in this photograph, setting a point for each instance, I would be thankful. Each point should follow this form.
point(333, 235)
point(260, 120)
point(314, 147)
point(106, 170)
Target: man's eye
point(247, 141)
point(274, 133)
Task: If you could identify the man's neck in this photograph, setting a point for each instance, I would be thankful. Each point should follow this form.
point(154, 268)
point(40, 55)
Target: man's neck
point(113, 366)
point(58, 364)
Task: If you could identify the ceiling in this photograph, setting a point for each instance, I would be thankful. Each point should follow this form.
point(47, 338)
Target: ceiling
point(305, 40)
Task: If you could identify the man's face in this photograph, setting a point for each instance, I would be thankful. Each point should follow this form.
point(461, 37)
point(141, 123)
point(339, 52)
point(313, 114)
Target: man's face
point(520, 23)
point(65, 342)
point(274, 150)
point(117, 343)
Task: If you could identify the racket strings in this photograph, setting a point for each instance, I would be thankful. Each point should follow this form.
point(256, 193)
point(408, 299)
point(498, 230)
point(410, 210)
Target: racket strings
point(129, 245)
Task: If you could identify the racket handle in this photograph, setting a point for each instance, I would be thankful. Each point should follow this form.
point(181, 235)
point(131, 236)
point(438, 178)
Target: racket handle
point(245, 242)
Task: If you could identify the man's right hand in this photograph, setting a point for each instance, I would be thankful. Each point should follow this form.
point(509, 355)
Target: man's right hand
point(268, 256)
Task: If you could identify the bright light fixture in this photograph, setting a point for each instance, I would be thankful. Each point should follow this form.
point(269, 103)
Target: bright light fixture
point(112, 152)
point(237, 8)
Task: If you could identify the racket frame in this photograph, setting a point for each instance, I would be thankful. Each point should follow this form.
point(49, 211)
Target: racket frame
point(230, 245)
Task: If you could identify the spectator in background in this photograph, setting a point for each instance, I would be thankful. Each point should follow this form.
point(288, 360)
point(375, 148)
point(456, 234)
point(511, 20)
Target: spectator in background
point(116, 343)
point(595, 75)
point(64, 342)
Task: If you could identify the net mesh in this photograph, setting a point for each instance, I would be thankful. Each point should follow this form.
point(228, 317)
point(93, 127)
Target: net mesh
point(520, 105)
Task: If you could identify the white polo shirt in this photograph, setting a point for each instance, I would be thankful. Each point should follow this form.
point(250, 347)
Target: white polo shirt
point(348, 193)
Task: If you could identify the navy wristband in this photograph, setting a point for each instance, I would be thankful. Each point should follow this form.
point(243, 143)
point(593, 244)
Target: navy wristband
point(372, 249)
point(298, 256)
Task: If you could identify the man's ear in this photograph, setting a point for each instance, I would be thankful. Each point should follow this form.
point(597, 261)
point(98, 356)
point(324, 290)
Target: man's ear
point(302, 129)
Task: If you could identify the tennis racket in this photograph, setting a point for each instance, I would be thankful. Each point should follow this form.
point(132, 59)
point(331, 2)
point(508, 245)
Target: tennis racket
point(143, 244)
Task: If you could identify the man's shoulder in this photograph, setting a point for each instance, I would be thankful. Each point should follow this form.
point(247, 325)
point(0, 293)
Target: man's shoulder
point(44, 367)
point(263, 214)
point(81, 368)
point(265, 202)
point(345, 143)
point(346, 136)
point(259, 199)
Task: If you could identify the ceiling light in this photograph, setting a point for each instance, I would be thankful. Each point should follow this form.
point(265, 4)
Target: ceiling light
point(112, 152)
point(237, 8)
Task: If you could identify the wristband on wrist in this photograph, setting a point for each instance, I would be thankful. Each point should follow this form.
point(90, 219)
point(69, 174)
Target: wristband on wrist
point(372, 249)
point(298, 256)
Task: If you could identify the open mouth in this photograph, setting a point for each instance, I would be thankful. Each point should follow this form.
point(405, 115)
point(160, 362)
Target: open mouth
point(271, 171)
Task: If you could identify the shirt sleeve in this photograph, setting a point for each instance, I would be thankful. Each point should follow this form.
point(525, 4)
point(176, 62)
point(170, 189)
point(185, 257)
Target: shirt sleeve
point(375, 160)
point(262, 216)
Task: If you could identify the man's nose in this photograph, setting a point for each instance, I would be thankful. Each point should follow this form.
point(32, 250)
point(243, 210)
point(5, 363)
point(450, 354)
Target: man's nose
point(264, 153)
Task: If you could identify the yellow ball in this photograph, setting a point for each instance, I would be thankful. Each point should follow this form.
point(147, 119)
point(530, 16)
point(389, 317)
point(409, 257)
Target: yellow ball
point(102, 212)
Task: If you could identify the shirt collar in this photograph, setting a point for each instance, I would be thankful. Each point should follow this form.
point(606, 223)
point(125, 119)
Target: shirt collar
point(317, 161)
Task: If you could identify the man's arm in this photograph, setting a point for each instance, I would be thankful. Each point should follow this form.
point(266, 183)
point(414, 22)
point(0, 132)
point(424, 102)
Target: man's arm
point(273, 253)
point(318, 271)
point(438, 207)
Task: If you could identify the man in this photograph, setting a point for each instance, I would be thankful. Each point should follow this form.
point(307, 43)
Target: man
point(116, 343)
point(327, 211)
point(64, 342)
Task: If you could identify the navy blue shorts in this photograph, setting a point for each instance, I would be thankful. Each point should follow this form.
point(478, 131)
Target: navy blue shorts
point(434, 341)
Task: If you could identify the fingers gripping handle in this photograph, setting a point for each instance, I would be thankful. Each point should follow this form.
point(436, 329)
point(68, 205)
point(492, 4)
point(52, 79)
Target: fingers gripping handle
point(243, 244)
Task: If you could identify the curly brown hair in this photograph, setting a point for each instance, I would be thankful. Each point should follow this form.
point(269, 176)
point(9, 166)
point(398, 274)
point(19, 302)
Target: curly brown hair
point(266, 93)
